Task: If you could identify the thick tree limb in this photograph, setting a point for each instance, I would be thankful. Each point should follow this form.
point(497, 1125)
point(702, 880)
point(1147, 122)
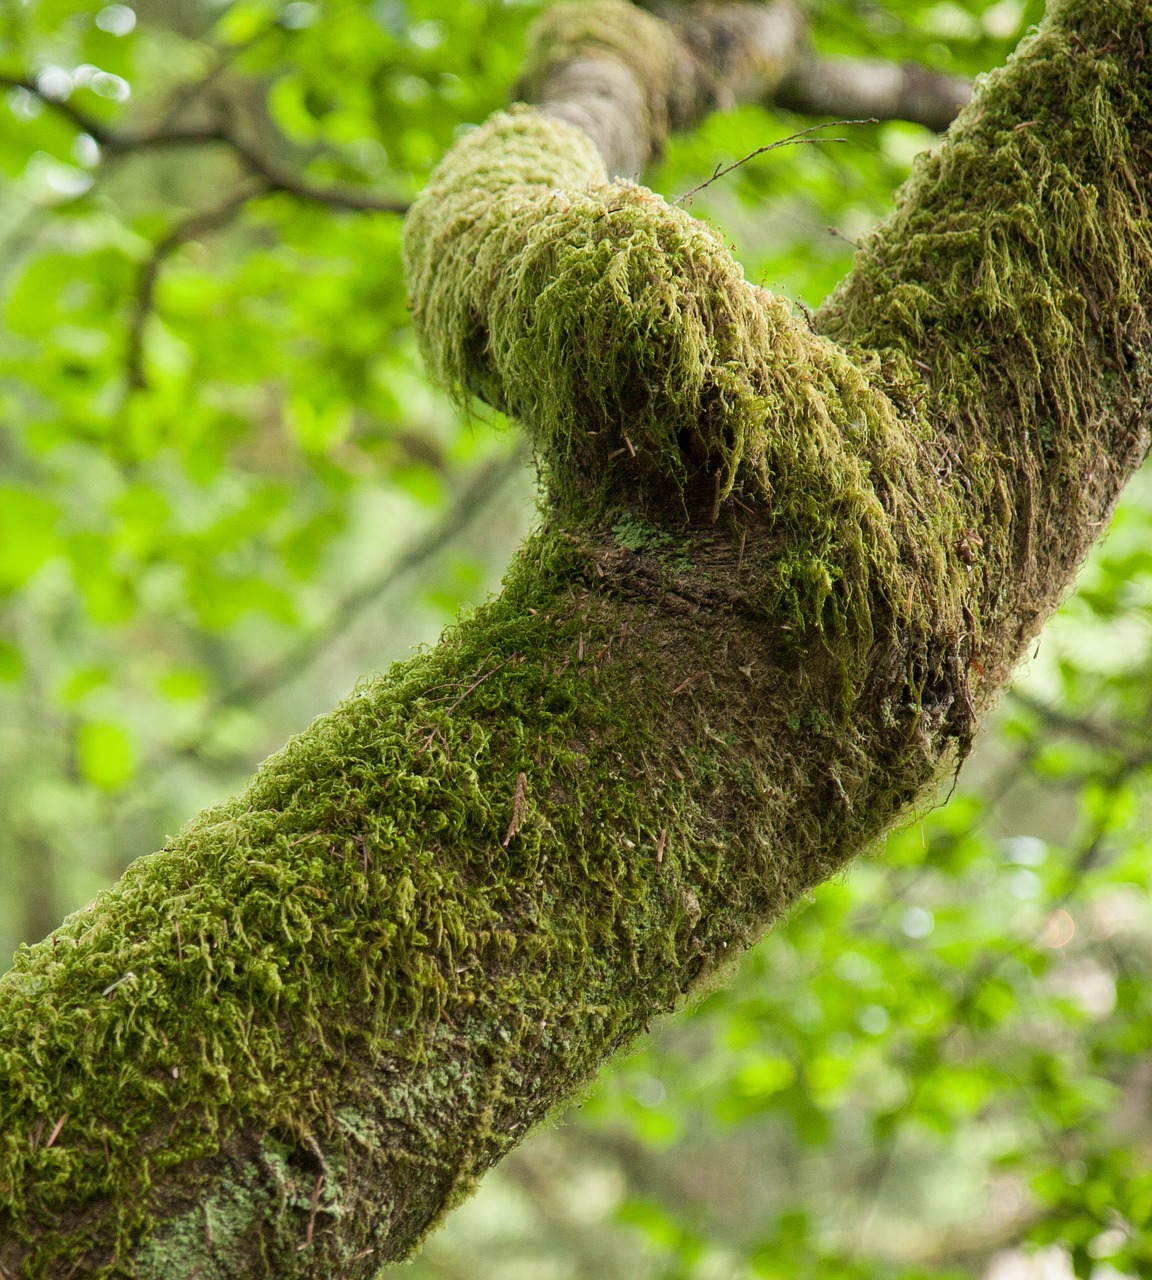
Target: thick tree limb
point(779, 576)
point(762, 52)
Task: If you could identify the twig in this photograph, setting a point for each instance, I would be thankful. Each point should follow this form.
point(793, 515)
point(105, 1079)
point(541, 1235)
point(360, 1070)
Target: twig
point(839, 235)
point(336, 196)
point(81, 119)
point(313, 1209)
point(519, 809)
point(56, 1131)
point(793, 140)
point(226, 54)
point(477, 683)
point(1101, 735)
point(162, 250)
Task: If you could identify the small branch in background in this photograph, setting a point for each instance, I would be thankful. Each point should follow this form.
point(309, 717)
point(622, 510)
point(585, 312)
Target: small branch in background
point(183, 96)
point(932, 1049)
point(336, 195)
point(276, 178)
point(88, 124)
point(196, 225)
point(1135, 753)
point(481, 488)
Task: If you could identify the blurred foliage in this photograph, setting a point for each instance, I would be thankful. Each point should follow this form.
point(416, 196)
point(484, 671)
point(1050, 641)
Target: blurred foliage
point(227, 491)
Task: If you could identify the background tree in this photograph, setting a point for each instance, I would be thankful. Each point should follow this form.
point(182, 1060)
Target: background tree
point(160, 352)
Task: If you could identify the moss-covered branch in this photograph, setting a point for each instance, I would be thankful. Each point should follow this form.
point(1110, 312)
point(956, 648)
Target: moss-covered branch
point(625, 78)
point(777, 576)
point(1014, 276)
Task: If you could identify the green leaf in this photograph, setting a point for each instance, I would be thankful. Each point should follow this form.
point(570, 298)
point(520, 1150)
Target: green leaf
point(105, 754)
point(28, 535)
point(11, 662)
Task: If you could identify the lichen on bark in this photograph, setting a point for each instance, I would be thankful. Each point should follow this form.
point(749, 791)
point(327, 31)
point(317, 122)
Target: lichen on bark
point(778, 574)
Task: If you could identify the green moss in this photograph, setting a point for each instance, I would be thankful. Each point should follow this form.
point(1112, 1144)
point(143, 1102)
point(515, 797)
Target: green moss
point(621, 332)
point(985, 333)
point(635, 534)
point(428, 919)
point(1015, 273)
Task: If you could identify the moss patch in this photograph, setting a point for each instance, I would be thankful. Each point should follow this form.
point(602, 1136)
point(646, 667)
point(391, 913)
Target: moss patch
point(1015, 274)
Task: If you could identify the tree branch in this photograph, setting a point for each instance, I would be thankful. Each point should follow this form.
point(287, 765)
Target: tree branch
point(223, 133)
point(334, 195)
point(195, 225)
point(473, 500)
point(776, 581)
point(1103, 736)
point(67, 110)
point(626, 96)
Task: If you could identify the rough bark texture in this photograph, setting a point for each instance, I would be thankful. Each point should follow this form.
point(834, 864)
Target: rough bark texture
point(778, 576)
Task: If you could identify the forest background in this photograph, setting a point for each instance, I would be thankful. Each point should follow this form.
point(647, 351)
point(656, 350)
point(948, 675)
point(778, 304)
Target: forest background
point(227, 491)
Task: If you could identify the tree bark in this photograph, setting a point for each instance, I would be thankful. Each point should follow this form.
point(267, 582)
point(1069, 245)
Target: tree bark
point(779, 575)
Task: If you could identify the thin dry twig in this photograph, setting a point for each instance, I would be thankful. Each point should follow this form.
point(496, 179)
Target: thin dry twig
point(793, 140)
point(313, 1210)
point(477, 683)
point(56, 1131)
point(839, 235)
